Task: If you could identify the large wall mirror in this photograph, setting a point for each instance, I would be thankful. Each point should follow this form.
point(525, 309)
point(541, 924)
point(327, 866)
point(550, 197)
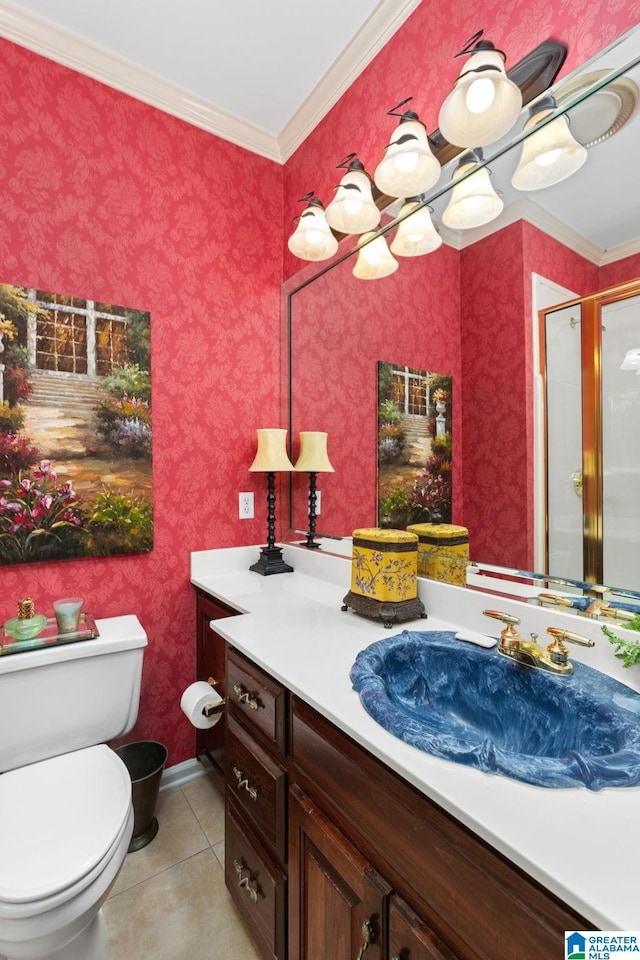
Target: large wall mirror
point(474, 310)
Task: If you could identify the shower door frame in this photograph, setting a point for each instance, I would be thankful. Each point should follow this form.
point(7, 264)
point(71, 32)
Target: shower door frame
point(592, 457)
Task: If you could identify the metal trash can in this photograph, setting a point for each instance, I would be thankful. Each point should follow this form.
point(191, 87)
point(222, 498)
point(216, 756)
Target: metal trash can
point(145, 760)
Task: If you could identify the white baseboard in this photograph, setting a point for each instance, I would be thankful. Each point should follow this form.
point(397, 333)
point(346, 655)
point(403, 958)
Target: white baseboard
point(181, 773)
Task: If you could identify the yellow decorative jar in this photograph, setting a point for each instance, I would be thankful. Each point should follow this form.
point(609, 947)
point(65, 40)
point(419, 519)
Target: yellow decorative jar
point(384, 564)
point(443, 551)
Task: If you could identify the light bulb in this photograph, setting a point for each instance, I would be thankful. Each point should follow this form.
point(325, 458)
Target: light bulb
point(548, 158)
point(406, 162)
point(353, 207)
point(480, 95)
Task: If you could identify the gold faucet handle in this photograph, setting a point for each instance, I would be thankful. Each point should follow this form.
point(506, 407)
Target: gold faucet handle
point(559, 634)
point(555, 599)
point(614, 613)
point(504, 617)
point(509, 635)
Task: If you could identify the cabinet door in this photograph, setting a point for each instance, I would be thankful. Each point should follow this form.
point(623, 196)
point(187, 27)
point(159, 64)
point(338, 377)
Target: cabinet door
point(410, 938)
point(337, 901)
point(210, 658)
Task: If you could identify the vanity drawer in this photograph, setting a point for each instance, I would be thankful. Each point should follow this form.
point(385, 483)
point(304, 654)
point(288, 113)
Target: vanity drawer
point(257, 699)
point(259, 785)
point(257, 885)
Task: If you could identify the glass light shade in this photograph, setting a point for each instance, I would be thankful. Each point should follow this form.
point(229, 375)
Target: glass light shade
point(374, 261)
point(416, 234)
point(483, 105)
point(271, 456)
point(549, 155)
point(631, 359)
point(313, 457)
point(352, 210)
point(408, 167)
point(312, 239)
point(473, 202)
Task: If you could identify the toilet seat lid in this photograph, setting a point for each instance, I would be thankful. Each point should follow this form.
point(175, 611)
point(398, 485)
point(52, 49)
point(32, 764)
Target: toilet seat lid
point(60, 817)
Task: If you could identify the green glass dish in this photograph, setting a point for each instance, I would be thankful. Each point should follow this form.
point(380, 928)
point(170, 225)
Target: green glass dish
point(25, 629)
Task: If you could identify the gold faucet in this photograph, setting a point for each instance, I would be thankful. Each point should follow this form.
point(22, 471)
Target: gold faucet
point(554, 659)
point(594, 608)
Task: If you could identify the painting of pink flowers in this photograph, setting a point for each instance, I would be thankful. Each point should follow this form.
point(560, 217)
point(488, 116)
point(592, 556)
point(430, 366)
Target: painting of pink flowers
point(75, 427)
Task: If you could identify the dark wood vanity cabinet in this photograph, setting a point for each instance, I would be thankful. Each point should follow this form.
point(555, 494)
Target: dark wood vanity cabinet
point(331, 856)
point(210, 663)
point(471, 902)
point(337, 901)
point(256, 802)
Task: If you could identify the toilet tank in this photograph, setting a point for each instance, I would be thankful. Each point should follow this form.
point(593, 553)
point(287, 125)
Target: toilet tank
point(62, 698)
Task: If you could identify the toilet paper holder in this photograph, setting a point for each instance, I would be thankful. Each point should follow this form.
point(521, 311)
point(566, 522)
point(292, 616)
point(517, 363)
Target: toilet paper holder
point(212, 709)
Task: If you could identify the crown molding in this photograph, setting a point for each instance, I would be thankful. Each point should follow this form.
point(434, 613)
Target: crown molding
point(55, 43)
point(528, 211)
point(620, 252)
point(386, 19)
point(42, 37)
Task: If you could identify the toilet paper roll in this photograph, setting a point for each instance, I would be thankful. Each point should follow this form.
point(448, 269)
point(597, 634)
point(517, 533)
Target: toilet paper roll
point(193, 701)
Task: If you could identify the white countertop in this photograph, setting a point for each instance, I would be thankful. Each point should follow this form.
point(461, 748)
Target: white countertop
point(583, 846)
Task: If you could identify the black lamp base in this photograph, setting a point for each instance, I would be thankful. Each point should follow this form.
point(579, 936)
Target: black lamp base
point(270, 562)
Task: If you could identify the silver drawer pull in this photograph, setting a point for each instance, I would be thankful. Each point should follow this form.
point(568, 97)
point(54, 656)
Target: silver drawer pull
point(367, 938)
point(243, 783)
point(246, 881)
point(245, 697)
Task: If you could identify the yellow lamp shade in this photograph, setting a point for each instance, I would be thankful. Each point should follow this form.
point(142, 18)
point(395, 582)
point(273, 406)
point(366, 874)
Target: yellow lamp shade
point(313, 457)
point(271, 456)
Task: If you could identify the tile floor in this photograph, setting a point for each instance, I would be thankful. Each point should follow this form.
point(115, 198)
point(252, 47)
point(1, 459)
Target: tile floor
point(169, 901)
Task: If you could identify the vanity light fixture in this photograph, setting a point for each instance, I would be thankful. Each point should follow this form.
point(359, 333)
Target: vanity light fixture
point(312, 239)
point(409, 167)
point(416, 234)
point(473, 201)
point(353, 210)
point(549, 155)
point(484, 103)
point(374, 259)
point(271, 458)
point(313, 459)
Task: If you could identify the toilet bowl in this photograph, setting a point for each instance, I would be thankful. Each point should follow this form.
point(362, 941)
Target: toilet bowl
point(62, 847)
point(65, 797)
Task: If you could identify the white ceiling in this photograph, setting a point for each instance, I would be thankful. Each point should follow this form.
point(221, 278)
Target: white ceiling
point(261, 73)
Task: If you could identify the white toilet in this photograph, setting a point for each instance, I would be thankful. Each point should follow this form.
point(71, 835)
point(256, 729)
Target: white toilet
point(66, 816)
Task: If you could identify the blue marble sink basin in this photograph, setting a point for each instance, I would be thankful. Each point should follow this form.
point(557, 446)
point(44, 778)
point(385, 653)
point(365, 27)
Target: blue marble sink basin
point(473, 706)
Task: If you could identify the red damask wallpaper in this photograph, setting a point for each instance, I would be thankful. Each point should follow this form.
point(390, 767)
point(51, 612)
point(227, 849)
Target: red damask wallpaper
point(107, 197)
point(103, 196)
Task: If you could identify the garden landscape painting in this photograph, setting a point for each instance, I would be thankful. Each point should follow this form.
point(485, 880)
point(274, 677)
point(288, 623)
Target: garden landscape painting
point(75, 427)
point(414, 446)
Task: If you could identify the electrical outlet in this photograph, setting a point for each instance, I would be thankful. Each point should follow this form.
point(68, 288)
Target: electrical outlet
point(245, 506)
point(318, 503)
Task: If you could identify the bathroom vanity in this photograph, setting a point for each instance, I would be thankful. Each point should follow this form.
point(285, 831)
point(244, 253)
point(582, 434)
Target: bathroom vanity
point(342, 839)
